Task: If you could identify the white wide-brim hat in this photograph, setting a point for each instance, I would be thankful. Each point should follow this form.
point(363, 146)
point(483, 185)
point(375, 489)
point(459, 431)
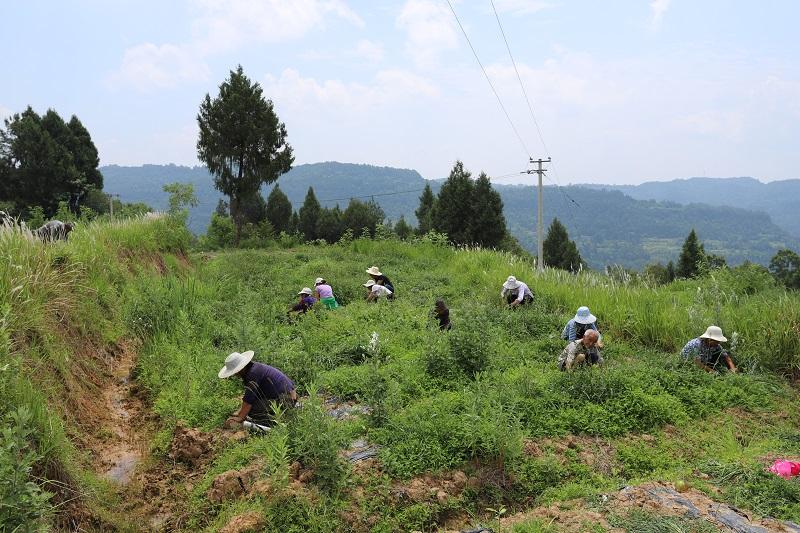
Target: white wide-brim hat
point(235, 362)
point(511, 283)
point(373, 271)
point(714, 333)
point(318, 281)
point(584, 316)
point(369, 283)
point(304, 290)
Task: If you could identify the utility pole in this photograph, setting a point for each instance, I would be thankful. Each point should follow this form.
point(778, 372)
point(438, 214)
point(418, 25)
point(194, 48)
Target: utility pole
point(111, 203)
point(539, 224)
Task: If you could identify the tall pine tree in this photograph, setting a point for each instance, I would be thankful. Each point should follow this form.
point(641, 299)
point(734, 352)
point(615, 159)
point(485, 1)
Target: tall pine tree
point(279, 210)
point(692, 254)
point(452, 210)
point(308, 216)
point(488, 225)
point(425, 210)
point(559, 251)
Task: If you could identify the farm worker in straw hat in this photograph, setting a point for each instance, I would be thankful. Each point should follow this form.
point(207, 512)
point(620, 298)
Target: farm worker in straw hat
point(263, 384)
point(306, 302)
point(376, 290)
point(577, 326)
point(581, 352)
point(516, 292)
point(325, 293)
point(378, 277)
point(707, 352)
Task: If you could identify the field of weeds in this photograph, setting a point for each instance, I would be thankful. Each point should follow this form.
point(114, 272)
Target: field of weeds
point(110, 346)
point(466, 427)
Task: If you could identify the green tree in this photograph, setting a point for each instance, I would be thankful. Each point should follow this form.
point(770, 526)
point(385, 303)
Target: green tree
point(254, 209)
point(670, 271)
point(452, 210)
point(329, 224)
point(425, 210)
point(181, 196)
point(308, 216)
point(785, 266)
point(279, 210)
point(361, 217)
point(44, 161)
point(692, 254)
point(402, 229)
point(294, 223)
point(488, 225)
point(559, 251)
point(242, 141)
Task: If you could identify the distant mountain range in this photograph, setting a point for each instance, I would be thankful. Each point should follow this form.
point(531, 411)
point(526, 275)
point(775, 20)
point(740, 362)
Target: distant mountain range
point(778, 199)
point(610, 227)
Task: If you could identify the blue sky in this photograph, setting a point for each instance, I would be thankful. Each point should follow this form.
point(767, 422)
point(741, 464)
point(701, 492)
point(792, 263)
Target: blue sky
point(623, 91)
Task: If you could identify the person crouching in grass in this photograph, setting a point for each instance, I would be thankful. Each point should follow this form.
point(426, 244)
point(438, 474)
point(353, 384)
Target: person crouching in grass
point(325, 294)
point(306, 302)
point(581, 352)
point(707, 353)
point(263, 385)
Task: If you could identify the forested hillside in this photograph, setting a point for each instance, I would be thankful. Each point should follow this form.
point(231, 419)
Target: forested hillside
point(777, 198)
point(609, 227)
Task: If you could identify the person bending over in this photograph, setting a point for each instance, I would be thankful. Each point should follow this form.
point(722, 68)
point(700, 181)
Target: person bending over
point(263, 385)
point(707, 353)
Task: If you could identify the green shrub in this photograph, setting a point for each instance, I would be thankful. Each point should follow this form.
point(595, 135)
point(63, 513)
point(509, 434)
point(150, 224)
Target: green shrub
point(534, 476)
point(753, 487)
point(24, 505)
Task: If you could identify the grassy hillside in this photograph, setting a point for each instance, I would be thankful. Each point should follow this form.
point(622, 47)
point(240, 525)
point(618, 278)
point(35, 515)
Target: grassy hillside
point(609, 227)
point(471, 425)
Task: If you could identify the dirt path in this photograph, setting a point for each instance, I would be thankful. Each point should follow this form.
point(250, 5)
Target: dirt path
point(123, 441)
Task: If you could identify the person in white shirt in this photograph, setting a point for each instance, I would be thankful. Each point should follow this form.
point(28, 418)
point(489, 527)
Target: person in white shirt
point(376, 290)
point(516, 292)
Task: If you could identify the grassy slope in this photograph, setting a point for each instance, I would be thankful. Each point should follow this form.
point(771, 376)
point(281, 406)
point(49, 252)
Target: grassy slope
point(61, 325)
point(472, 398)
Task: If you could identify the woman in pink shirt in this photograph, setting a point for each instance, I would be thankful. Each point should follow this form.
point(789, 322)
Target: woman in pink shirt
point(325, 293)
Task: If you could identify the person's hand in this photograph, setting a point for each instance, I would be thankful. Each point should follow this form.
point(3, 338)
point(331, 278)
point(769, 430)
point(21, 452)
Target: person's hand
point(734, 371)
point(231, 422)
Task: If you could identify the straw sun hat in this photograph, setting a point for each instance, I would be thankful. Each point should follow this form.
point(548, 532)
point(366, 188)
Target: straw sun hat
point(369, 283)
point(373, 271)
point(584, 316)
point(304, 290)
point(318, 281)
point(235, 362)
point(511, 283)
point(714, 333)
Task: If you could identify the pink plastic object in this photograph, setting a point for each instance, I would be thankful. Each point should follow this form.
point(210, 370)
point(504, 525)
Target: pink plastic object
point(784, 468)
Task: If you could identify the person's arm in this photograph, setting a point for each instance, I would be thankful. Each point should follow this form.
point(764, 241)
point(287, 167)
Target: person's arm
point(729, 362)
point(569, 332)
point(704, 366)
point(239, 417)
point(571, 349)
point(371, 296)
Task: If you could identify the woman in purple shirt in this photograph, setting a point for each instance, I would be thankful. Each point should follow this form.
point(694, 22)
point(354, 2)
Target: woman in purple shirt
point(306, 302)
point(263, 384)
point(325, 294)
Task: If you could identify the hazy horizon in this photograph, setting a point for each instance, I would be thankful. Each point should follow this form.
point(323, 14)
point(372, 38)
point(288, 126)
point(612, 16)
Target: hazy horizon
point(625, 92)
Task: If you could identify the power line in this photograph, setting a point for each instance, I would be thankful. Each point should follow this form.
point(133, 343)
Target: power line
point(371, 195)
point(530, 106)
point(499, 101)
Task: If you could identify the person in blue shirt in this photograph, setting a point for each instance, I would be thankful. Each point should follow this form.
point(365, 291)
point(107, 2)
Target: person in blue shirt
point(707, 353)
point(263, 385)
point(578, 325)
point(305, 303)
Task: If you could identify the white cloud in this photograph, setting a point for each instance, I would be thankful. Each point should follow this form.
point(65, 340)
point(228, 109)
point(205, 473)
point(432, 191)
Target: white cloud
point(369, 50)
point(521, 7)
point(430, 31)
point(148, 66)
point(227, 24)
point(222, 26)
point(657, 10)
point(388, 86)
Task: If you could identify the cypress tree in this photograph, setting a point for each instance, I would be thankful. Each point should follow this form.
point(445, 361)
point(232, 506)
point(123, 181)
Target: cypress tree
point(309, 214)
point(279, 210)
point(452, 210)
point(692, 254)
point(488, 225)
point(425, 210)
point(402, 228)
point(559, 251)
point(329, 224)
